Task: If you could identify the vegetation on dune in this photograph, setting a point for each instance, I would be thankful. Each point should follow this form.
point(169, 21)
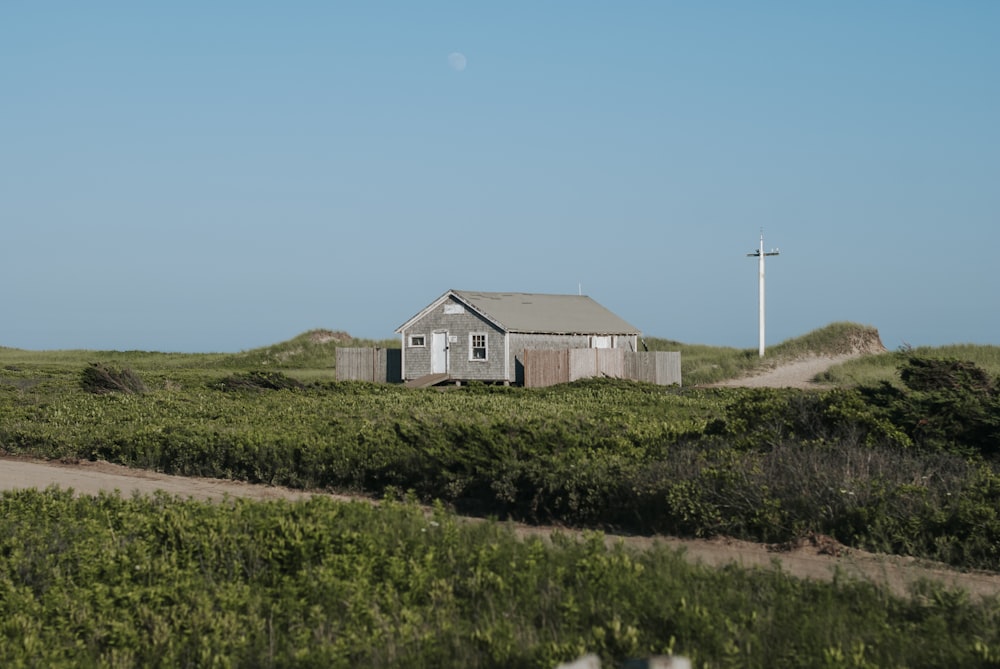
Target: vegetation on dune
point(834, 339)
point(157, 581)
point(311, 350)
point(315, 349)
point(72, 360)
point(872, 370)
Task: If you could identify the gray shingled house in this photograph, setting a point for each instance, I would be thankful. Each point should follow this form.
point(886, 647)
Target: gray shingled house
point(474, 336)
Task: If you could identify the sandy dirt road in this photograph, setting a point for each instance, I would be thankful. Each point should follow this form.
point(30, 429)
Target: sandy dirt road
point(91, 478)
point(816, 560)
point(797, 374)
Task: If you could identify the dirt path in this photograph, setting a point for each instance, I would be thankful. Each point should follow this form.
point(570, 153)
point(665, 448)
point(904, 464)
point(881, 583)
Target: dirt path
point(819, 559)
point(797, 374)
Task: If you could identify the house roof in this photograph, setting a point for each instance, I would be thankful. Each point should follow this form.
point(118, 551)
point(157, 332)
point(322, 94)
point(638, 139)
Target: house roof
point(539, 313)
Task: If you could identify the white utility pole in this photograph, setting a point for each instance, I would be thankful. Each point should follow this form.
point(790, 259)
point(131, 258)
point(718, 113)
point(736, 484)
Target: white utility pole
point(760, 254)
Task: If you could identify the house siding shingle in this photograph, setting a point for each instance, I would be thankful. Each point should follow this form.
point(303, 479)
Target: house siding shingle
point(459, 324)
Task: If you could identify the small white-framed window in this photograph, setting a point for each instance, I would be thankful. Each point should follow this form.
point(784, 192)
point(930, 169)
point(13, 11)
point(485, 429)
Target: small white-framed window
point(601, 341)
point(418, 341)
point(478, 346)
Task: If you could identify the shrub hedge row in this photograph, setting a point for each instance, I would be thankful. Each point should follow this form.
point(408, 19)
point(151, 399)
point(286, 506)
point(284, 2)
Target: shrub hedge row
point(762, 465)
point(158, 582)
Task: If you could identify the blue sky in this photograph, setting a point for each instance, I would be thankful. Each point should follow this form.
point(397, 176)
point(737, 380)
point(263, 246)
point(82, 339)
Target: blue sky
point(217, 176)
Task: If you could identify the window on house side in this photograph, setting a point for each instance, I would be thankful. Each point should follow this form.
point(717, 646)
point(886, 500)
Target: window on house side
point(477, 346)
point(417, 340)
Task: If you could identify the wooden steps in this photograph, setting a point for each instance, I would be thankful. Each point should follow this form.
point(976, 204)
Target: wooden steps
point(427, 380)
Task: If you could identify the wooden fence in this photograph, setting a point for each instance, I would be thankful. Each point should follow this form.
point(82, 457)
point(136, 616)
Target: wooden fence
point(547, 368)
point(660, 367)
point(540, 368)
point(377, 365)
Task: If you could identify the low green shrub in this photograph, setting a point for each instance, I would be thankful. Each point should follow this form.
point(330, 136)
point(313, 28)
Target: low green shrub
point(156, 581)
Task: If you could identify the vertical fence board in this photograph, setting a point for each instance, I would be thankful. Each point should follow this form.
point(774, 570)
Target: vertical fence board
point(668, 368)
point(375, 365)
point(659, 367)
point(639, 368)
point(546, 368)
point(582, 363)
point(355, 364)
point(610, 362)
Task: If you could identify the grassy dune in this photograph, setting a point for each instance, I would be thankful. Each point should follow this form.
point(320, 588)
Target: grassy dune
point(709, 364)
point(310, 356)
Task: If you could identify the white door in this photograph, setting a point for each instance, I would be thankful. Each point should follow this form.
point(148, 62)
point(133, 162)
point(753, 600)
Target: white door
point(439, 352)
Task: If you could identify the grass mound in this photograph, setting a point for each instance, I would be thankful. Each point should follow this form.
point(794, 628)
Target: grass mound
point(314, 349)
point(835, 339)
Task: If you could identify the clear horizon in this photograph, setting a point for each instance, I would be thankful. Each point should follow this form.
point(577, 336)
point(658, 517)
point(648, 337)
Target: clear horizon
point(219, 177)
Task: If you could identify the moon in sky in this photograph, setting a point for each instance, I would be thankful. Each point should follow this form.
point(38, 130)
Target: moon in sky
point(456, 60)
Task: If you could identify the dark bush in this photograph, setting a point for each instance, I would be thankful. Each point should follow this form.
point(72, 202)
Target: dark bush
point(102, 379)
point(947, 374)
point(258, 380)
point(947, 404)
point(760, 418)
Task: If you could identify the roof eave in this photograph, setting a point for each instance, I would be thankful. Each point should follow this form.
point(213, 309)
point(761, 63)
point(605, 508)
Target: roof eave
point(423, 312)
point(457, 295)
point(619, 333)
